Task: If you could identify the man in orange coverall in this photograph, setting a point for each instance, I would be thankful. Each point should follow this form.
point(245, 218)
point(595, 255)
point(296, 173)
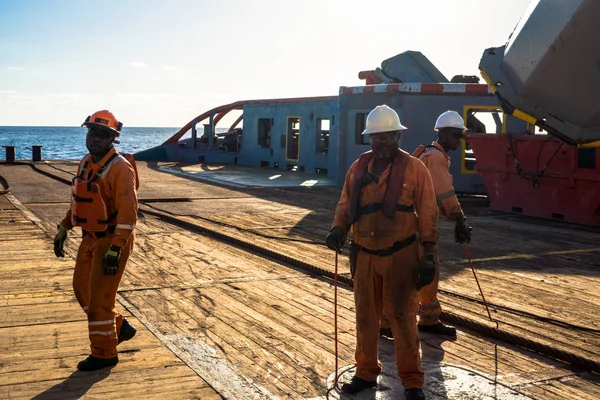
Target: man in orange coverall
point(104, 205)
point(388, 199)
point(450, 127)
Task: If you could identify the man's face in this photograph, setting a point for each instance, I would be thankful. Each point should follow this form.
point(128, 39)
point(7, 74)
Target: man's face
point(451, 138)
point(98, 141)
point(385, 144)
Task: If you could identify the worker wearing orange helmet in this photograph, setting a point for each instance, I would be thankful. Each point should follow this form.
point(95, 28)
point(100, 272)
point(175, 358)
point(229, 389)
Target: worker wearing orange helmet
point(450, 127)
point(388, 201)
point(104, 205)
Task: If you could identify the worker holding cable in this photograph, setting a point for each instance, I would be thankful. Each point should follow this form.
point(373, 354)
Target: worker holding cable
point(104, 205)
point(450, 128)
point(388, 200)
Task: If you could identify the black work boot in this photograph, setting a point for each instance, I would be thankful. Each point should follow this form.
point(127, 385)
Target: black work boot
point(357, 384)
point(93, 363)
point(414, 394)
point(127, 331)
point(438, 329)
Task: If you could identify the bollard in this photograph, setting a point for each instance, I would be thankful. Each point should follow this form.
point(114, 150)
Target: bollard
point(36, 153)
point(10, 154)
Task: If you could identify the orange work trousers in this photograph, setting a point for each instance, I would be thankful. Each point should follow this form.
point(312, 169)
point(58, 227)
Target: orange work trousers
point(429, 306)
point(97, 293)
point(385, 284)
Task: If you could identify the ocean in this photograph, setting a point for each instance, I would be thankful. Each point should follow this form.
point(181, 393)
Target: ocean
point(68, 143)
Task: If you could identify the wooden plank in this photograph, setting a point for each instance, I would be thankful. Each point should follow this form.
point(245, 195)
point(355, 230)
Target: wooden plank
point(35, 314)
point(160, 382)
point(590, 385)
point(291, 318)
point(580, 343)
point(307, 303)
point(48, 296)
point(41, 338)
point(207, 351)
point(192, 260)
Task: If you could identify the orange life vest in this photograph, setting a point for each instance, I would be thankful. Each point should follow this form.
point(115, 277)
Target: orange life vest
point(89, 209)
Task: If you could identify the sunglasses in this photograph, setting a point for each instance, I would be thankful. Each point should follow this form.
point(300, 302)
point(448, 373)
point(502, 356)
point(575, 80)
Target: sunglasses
point(100, 133)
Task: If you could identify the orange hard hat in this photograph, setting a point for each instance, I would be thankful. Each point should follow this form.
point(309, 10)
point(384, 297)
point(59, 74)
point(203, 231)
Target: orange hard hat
point(104, 119)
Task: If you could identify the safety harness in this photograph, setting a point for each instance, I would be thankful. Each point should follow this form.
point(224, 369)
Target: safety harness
point(389, 206)
point(422, 149)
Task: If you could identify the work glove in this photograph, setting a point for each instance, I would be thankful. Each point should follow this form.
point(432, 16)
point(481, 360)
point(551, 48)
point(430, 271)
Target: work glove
point(425, 271)
point(335, 239)
point(111, 260)
point(59, 241)
point(462, 232)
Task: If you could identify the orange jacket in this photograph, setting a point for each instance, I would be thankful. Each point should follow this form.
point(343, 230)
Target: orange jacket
point(438, 163)
point(377, 231)
point(117, 197)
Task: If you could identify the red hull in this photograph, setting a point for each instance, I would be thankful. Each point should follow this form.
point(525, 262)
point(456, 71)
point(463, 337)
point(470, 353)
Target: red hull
point(569, 189)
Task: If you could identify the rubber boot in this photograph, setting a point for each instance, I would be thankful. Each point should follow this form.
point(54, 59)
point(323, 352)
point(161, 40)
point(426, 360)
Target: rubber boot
point(357, 384)
point(414, 394)
point(93, 363)
point(127, 331)
point(438, 329)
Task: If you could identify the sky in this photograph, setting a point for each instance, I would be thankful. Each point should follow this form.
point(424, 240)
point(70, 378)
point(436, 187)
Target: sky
point(161, 63)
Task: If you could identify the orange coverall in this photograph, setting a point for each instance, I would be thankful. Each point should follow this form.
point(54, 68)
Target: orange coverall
point(438, 163)
point(96, 292)
point(385, 283)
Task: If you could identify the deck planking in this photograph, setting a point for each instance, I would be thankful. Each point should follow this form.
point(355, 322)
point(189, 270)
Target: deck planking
point(273, 324)
point(43, 332)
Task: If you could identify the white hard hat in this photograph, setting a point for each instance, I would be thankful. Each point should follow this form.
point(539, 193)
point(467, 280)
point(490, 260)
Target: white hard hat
point(450, 119)
point(382, 119)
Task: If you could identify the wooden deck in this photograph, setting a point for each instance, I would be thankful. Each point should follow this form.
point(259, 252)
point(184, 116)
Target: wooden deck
point(209, 313)
point(43, 332)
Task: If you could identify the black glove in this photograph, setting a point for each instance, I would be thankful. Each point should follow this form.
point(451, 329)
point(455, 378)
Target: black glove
point(425, 271)
point(59, 241)
point(111, 260)
point(462, 232)
point(335, 239)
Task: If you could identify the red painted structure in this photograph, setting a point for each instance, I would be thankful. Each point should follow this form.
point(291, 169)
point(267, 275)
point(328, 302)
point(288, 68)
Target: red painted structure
point(568, 189)
point(370, 77)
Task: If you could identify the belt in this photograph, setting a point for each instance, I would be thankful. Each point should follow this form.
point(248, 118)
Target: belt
point(374, 207)
point(101, 234)
point(390, 250)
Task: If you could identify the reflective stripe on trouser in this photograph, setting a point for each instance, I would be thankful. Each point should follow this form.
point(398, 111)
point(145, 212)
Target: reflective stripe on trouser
point(96, 293)
point(430, 309)
point(386, 284)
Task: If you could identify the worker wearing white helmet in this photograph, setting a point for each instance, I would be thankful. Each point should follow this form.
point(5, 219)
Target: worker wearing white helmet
point(450, 127)
point(388, 201)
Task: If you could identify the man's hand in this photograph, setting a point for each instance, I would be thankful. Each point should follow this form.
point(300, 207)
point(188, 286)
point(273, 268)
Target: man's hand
point(59, 241)
point(335, 239)
point(425, 271)
point(111, 260)
point(462, 231)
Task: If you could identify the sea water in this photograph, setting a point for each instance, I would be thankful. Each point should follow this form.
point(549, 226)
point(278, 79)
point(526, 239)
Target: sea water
point(68, 143)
